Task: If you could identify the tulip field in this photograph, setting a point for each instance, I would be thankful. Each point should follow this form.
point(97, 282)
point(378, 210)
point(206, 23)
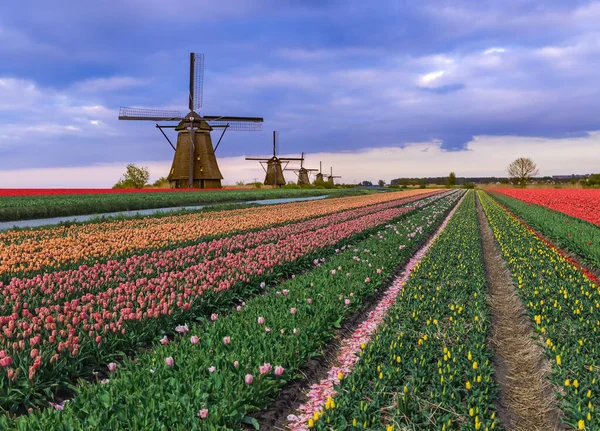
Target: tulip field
point(201, 321)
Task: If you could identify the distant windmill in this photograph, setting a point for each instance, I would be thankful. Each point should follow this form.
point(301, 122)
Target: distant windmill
point(302, 173)
point(319, 176)
point(330, 177)
point(274, 171)
point(194, 163)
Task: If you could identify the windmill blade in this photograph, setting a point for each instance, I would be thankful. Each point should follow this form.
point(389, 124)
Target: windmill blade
point(238, 124)
point(149, 114)
point(265, 159)
point(196, 81)
point(289, 158)
point(275, 142)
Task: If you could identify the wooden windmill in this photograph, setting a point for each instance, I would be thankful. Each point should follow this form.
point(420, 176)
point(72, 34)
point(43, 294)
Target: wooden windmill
point(330, 177)
point(273, 169)
point(194, 163)
point(319, 176)
point(302, 173)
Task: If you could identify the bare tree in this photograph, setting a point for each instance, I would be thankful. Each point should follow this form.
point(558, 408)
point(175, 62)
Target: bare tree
point(522, 170)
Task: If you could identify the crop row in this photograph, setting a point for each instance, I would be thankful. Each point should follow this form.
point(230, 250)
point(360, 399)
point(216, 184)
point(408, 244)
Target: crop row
point(57, 287)
point(428, 366)
point(573, 234)
point(64, 247)
point(55, 342)
point(14, 207)
point(565, 306)
point(219, 372)
point(579, 203)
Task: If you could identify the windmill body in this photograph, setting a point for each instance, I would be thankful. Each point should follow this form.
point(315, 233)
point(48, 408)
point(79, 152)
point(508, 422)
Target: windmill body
point(303, 173)
point(330, 177)
point(273, 166)
point(319, 176)
point(194, 163)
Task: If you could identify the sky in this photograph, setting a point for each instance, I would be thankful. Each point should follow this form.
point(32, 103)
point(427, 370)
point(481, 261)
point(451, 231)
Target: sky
point(378, 89)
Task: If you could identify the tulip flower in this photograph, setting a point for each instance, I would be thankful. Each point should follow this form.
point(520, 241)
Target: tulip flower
point(279, 370)
point(261, 320)
point(236, 364)
point(226, 340)
point(112, 367)
point(203, 413)
point(212, 369)
point(169, 361)
point(292, 310)
point(249, 379)
point(214, 317)
point(182, 329)
point(194, 339)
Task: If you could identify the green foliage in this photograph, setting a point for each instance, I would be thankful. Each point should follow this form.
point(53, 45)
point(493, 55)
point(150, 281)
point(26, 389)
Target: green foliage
point(414, 373)
point(134, 178)
point(452, 179)
point(381, 183)
point(564, 307)
point(323, 184)
point(162, 182)
point(469, 185)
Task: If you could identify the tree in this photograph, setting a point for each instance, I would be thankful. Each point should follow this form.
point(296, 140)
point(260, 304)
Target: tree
point(161, 182)
point(366, 183)
point(452, 179)
point(134, 178)
point(522, 170)
point(381, 183)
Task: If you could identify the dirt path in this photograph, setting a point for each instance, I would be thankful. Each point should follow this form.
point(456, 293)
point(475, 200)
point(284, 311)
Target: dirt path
point(526, 400)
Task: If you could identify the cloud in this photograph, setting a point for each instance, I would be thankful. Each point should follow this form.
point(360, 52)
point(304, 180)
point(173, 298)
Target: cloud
point(113, 83)
point(486, 156)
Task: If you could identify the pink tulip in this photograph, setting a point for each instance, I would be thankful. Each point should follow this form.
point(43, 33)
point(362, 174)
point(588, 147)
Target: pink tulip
point(282, 331)
point(236, 364)
point(249, 379)
point(295, 331)
point(348, 274)
point(267, 329)
point(347, 302)
point(262, 285)
point(333, 272)
point(309, 300)
point(212, 369)
point(203, 413)
point(182, 329)
point(194, 339)
point(292, 310)
point(367, 280)
point(6, 361)
point(261, 320)
point(239, 308)
point(112, 367)
point(164, 340)
point(214, 317)
point(286, 292)
point(279, 370)
point(169, 361)
point(226, 340)
point(264, 368)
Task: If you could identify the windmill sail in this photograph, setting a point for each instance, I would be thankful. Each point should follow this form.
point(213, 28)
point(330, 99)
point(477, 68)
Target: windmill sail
point(149, 114)
point(196, 81)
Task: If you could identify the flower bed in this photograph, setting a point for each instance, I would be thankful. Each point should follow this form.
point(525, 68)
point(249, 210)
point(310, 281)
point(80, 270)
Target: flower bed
point(68, 247)
point(564, 306)
point(428, 366)
point(90, 329)
point(580, 203)
point(573, 234)
point(218, 373)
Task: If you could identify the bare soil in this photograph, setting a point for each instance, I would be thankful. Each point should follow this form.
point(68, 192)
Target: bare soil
point(526, 399)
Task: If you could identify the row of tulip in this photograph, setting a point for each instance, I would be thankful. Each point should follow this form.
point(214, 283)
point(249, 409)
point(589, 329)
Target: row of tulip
point(580, 203)
point(573, 234)
point(25, 251)
point(214, 375)
point(428, 366)
point(51, 345)
point(564, 306)
point(61, 286)
point(321, 394)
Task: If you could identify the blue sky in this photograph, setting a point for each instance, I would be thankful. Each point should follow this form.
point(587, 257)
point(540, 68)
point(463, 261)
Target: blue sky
point(331, 76)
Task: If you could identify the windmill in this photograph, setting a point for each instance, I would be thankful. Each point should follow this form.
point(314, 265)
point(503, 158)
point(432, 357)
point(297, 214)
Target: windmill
point(194, 162)
point(274, 171)
point(319, 176)
point(302, 173)
point(330, 177)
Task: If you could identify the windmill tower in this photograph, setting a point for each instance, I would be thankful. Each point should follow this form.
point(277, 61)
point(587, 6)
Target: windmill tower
point(330, 177)
point(302, 173)
point(319, 176)
point(194, 162)
point(273, 170)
